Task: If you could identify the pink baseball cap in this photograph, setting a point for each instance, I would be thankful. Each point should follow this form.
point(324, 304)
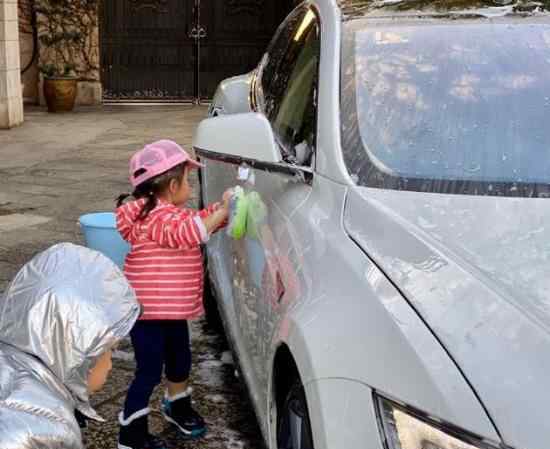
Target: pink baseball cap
point(157, 158)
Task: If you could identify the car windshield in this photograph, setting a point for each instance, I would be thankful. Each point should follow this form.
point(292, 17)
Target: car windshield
point(453, 107)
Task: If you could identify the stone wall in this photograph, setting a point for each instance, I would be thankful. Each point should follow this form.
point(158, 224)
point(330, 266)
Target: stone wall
point(87, 61)
point(80, 16)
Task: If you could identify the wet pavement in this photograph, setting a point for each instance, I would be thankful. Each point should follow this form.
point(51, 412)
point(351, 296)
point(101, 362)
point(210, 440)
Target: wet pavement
point(218, 396)
point(57, 167)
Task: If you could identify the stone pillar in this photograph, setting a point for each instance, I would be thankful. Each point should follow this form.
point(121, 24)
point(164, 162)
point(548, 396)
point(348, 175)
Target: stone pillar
point(29, 79)
point(11, 98)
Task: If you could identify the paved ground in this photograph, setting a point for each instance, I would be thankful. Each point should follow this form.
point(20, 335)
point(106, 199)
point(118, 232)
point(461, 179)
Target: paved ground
point(55, 168)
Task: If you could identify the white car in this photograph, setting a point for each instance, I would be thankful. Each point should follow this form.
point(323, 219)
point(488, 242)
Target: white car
point(392, 290)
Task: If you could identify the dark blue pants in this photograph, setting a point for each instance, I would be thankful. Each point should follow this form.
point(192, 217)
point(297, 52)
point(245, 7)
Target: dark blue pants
point(157, 345)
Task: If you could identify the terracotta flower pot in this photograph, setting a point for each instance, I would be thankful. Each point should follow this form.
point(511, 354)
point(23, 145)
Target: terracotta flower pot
point(60, 94)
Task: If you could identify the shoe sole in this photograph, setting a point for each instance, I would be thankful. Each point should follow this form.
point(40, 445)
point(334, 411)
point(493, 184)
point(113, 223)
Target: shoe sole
point(192, 435)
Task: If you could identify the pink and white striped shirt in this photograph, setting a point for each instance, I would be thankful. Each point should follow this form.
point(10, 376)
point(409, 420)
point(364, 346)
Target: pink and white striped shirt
point(165, 265)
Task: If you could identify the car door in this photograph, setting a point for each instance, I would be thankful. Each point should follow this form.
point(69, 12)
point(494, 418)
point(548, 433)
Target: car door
point(268, 269)
point(256, 276)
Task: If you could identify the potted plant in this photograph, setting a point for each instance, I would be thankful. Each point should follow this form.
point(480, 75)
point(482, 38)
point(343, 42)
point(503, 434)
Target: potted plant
point(60, 86)
point(65, 28)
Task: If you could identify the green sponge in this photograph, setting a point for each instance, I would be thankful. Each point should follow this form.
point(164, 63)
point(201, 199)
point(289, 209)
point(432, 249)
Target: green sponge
point(257, 215)
point(238, 211)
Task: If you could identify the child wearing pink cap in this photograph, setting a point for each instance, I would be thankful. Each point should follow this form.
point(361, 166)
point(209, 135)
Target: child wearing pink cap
point(165, 268)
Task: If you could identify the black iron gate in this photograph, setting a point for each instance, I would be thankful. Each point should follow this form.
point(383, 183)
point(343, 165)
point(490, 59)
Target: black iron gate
point(173, 50)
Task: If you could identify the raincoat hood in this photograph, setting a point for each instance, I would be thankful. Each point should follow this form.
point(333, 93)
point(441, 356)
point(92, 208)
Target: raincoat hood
point(63, 309)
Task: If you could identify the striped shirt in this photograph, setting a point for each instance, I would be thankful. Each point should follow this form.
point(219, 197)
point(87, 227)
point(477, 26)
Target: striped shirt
point(164, 265)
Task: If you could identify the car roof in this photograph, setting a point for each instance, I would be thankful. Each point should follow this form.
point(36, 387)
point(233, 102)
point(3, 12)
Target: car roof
point(356, 9)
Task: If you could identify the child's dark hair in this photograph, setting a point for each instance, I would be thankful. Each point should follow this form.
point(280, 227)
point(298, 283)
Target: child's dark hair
point(153, 187)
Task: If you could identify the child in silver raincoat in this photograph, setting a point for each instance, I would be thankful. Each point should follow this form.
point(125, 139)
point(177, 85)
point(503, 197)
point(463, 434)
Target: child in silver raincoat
point(59, 320)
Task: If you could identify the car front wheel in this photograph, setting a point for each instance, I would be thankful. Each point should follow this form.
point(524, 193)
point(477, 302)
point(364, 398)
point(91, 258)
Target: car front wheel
point(294, 427)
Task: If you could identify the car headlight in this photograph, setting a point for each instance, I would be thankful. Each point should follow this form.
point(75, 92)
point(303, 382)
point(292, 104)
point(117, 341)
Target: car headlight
point(404, 428)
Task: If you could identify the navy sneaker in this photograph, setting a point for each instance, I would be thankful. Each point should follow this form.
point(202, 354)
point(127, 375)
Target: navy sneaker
point(181, 414)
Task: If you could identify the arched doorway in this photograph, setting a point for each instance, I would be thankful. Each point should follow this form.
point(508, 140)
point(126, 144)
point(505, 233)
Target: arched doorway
point(173, 50)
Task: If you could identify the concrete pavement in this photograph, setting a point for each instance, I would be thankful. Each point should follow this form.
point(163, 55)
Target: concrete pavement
point(55, 168)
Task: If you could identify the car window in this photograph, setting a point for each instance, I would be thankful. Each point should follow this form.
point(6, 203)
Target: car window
point(289, 79)
point(458, 108)
point(276, 52)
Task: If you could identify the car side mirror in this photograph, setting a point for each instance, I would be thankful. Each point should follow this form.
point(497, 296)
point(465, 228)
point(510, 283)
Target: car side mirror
point(237, 138)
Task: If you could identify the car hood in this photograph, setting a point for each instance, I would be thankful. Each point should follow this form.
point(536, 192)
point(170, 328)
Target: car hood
point(477, 270)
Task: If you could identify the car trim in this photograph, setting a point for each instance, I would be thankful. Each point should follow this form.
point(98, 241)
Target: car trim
point(304, 173)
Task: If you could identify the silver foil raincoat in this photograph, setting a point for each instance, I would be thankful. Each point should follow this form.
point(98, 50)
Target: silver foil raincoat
point(63, 309)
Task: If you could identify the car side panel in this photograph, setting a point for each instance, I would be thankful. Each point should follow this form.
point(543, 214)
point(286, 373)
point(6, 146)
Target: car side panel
point(216, 178)
point(342, 415)
point(344, 319)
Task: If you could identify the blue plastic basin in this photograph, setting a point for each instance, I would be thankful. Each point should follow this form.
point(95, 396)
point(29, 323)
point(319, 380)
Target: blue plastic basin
point(100, 233)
